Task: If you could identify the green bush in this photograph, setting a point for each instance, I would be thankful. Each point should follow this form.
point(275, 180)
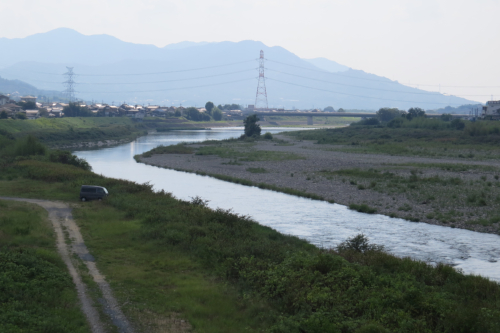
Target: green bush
point(65, 157)
point(268, 136)
point(29, 146)
point(363, 208)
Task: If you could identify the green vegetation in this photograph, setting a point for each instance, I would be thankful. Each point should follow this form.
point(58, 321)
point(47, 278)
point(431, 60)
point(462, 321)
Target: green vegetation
point(244, 152)
point(268, 136)
point(251, 126)
point(363, 208)
point(257, 170)
point(173, 149)
point(167, 258)
point(417, 137)
point(76, 110)
point(449, 198)
point(36, 291)
point(318, 120)
point(73, 130)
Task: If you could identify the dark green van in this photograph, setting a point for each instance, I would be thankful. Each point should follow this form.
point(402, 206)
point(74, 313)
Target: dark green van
point(92, 192)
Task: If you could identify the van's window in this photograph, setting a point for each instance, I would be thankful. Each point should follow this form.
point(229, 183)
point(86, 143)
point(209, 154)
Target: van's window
point(100, 190)
point(88, 190)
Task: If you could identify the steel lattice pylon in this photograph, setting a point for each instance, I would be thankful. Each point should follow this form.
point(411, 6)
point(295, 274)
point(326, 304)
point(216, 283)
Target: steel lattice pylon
point(261, 97)
point(70, 90)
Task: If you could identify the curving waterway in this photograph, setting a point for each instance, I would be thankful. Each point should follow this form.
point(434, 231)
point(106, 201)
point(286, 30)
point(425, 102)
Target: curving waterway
point(320, 223)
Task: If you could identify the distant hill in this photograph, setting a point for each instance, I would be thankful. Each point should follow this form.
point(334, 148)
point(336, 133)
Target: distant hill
point(191, 73)
point(23, 89)
point(183, 45)
point(327, 65)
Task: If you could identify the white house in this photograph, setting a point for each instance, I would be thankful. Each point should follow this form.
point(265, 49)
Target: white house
point(491, 109)
point(4, 99)
point(32, 114)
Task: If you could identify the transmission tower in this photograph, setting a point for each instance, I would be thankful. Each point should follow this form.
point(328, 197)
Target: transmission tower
point(261, 97)
point(70, 90)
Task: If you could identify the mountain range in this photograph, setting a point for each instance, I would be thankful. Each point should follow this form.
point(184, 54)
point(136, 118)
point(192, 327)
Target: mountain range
point(188, 73)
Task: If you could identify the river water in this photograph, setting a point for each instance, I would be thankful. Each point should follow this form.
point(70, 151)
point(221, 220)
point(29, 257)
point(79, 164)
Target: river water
point(320, 223)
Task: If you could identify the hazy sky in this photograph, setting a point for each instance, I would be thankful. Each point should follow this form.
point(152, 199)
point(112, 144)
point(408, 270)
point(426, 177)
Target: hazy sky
point(447, 42)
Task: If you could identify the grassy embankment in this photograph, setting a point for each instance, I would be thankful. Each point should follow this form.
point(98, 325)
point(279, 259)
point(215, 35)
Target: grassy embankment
point(74, 130)
point(67, 131)
point(318, 121)
point(36, 291)
point(168, 259)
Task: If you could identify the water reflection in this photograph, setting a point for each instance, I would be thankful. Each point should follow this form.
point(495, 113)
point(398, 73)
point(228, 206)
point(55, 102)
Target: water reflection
point(321, 223)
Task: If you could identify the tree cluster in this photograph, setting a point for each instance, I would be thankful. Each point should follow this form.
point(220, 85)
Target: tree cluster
point(27, 105)
point(75, 110)
point(229, 107)
point(387, 114)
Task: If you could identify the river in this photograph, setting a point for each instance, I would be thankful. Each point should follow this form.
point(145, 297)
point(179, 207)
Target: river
point(320, 223)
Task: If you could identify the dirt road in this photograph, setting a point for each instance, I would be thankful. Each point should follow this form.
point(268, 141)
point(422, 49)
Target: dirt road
point(62, 220)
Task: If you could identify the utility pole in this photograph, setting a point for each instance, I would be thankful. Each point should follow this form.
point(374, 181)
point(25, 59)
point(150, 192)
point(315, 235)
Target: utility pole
point(70, 90)
point(261, 96)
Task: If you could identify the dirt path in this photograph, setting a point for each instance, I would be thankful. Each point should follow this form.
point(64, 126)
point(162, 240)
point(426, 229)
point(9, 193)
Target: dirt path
point(61, 218)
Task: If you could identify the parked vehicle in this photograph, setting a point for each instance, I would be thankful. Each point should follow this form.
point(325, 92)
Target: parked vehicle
point(92, 192)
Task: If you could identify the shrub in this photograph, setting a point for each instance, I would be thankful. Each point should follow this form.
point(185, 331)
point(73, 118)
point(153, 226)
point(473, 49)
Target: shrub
point(268, 136)
point(458, 124)
point(65, 157)
point(396, 123)
point(358, 243)
point(363, 208)
point(367, 122)
point(30, 146)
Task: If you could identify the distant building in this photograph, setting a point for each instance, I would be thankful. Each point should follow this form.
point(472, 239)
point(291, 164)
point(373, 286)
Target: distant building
point(4, 99)
point(28, 99)
point(491, 110)
point(32, 114)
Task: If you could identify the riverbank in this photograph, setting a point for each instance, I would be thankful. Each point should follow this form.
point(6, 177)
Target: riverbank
point(444, 191)
point(168, 259)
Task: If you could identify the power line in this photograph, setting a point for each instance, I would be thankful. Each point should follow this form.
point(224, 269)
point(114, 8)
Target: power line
point(155, 73)
point(349, 85)
point(361, 96)
point(146, 91)
point(163, 81)
point(378, 80)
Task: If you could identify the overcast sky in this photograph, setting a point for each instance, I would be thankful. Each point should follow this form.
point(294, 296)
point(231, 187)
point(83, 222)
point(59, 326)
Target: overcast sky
point(447, 42)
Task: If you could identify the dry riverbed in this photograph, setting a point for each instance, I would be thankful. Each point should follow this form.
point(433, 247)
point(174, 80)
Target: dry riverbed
point(442, 191)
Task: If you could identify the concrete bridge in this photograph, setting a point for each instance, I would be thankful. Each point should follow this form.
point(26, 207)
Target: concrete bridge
point(310, 115)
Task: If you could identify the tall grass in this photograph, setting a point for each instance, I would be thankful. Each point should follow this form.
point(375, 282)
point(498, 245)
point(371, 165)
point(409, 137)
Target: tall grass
point(36, 292)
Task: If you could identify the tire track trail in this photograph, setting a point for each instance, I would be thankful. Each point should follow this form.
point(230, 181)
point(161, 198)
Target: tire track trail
point(61, 217)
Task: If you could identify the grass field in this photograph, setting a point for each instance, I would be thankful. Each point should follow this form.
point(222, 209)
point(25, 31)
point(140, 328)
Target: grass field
point(36, 291)
point(428, 137)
